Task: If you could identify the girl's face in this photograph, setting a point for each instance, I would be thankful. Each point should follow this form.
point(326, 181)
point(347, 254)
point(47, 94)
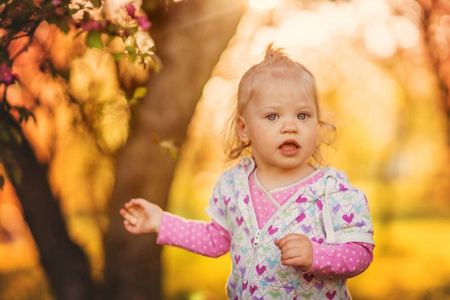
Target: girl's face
point(282, 125)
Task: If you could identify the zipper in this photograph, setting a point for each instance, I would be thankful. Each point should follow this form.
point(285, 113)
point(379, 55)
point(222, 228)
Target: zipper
point(256, 242)
point(257, 237)
point(255, 245)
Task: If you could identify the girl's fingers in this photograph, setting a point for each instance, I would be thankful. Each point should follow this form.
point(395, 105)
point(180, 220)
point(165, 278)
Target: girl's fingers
point(133, 208)
point(132, 221)
point(123, 212)
point(138, 202)
point(292, 241)
point(291, 262)
point(130, 206)
point(129, 227)
point(129, 218)
point(281, 242)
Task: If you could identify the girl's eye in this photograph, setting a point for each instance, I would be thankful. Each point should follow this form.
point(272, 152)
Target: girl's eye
point(302, 116)
point(272, 117)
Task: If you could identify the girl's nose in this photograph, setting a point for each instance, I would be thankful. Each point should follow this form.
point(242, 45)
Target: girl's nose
point(289, 126)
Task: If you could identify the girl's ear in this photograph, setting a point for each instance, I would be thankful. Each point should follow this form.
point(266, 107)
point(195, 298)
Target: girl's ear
point(242, 130)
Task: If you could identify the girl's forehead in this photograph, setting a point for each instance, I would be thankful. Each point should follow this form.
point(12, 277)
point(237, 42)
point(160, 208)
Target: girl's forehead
point(284, 78)
point(289, 88)
point(278, 98)
point(295, 85)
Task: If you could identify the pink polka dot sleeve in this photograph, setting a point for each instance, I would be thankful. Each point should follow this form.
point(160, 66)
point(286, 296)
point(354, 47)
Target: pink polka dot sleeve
point(205, 238)
point(341, 260)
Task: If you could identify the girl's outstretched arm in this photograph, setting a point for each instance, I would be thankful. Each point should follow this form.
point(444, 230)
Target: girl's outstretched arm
point(141, 216)
point(205, 238)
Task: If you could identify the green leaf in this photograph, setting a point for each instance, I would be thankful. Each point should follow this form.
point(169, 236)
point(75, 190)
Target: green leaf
point(63, 24)
point(4, 136)
point(157, 64)
point(96, 3)
point(24, 114)
point(16, 135)
point(14, 173)
point(94, 40)
point(169, 146)
point(132, 56)
point(139, 92)
point(130, 49)
point(79, 33)
point(118, 56)
point(133, 101)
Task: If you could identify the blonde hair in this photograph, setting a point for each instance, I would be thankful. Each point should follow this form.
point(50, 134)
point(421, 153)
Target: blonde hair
point(276, 65)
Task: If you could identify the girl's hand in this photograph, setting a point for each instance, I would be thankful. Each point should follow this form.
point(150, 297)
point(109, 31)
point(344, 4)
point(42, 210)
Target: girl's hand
point(141, 216)
point(296, 250)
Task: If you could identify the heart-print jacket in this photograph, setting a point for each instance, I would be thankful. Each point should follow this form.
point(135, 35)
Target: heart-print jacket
point(330, 210)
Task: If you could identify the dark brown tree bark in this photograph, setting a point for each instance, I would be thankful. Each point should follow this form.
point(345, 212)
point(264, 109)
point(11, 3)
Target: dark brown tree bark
point(64, 262)
point(437, 33)
point(190, 37)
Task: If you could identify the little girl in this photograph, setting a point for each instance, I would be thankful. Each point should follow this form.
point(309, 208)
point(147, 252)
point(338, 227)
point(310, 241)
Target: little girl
point(293, 230)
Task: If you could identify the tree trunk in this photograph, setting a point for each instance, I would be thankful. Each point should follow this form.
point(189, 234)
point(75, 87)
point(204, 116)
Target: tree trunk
point(437, 30)
point(190, 37)
point(65, 263)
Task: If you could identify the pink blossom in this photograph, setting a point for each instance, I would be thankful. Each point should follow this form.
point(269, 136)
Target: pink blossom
point(144, 22)
point(56, 2)
point(91, 25)
point(131, 10)
point(6, 75)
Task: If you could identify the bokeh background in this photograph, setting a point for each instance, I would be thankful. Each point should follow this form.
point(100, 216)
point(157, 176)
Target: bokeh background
point(381, 70)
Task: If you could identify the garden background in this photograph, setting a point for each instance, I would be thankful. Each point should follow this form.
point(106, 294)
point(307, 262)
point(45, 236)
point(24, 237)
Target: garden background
point(383, 72)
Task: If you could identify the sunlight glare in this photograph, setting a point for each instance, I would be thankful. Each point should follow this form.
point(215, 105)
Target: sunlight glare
point(303, 29)
point(379, 40)
point(263, 4)
point(372, 10)
point(406, 32)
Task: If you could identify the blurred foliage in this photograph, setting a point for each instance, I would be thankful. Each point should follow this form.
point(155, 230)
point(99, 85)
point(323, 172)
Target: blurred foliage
point(60, 64)
point(378, 85)
point(24, 284)
point(25, 26)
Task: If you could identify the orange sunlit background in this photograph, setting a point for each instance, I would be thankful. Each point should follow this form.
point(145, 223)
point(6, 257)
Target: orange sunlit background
point(379, 85)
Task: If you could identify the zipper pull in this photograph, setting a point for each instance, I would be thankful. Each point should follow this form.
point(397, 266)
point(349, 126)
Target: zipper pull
point(256, 240)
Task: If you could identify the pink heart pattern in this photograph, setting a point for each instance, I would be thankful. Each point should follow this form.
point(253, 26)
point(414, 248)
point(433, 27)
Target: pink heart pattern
point(348, 218)
point(237, 258)
point(301, 199)
point(331, 295)
point(268, 277)
point(260, 269)
point(308, 277)
point(301, 217)
point(272, 230)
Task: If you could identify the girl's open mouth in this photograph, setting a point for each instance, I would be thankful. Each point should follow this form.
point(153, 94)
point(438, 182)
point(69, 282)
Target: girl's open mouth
point(289, 147)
